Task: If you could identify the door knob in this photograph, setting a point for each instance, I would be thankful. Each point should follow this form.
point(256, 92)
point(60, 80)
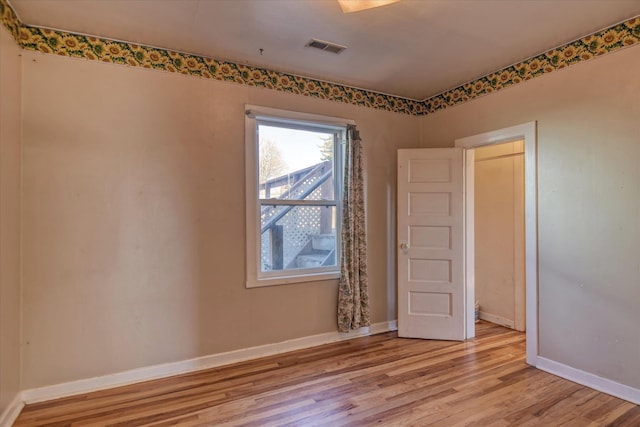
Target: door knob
point(404, 246)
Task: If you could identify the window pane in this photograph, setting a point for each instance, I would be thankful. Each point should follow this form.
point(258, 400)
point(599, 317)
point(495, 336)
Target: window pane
point(297, 237)
point(295, 164)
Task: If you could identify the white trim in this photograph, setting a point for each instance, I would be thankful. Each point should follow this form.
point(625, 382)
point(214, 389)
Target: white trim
point(527, 131)
point(498, 320)
point(268, 113)
point(286, 280)
point(206, 362)
point(589, 380)
point(469, 242)
point(11, 412)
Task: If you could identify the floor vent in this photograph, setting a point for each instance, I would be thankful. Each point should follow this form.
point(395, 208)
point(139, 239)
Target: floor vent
point(322, 45)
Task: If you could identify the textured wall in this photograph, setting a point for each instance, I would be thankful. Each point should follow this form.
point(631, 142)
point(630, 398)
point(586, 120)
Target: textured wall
point(134, 220)
point(10, 163)
point(588, 204)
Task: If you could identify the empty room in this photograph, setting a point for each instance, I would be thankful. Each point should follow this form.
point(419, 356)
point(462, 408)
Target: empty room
point(319, 212)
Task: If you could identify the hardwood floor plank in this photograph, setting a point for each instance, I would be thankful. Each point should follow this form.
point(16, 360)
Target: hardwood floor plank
point(375, 380)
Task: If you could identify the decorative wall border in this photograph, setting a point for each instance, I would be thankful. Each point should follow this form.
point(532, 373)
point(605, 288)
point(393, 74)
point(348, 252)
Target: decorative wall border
point(9, 19)
point(605, 41)
point(608, 40)
point(135, 55)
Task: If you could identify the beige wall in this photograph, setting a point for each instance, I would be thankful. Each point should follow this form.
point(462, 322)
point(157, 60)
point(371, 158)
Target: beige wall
point(134, 229)
point(10, 163)
point(133, 215)
point(499, 232)
point(589, 204)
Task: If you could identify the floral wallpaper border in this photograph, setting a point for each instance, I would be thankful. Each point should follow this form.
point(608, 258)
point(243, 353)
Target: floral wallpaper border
point(10, 19)
point(99, 49)
point(134, 55)
point(599, 43)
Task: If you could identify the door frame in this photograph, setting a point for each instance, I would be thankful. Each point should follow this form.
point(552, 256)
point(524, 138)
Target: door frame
point(528, 132)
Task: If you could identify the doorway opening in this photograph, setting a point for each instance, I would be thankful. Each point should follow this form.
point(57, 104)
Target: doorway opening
point(527, 134)
point(498, 210)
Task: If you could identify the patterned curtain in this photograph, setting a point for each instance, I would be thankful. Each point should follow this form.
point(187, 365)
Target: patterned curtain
point(353, 293)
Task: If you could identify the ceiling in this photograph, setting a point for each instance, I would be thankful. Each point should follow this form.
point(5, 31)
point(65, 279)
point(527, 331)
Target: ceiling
point(413, 48)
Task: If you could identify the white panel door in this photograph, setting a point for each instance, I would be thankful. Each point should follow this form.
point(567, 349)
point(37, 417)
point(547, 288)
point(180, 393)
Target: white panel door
point(430, 244)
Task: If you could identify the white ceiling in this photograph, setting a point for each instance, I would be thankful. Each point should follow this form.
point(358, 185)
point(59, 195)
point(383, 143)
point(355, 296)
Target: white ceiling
point(414, 48)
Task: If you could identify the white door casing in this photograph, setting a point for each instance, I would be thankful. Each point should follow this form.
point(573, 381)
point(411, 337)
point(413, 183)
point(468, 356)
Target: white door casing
point(431, 298)
point(528, 132)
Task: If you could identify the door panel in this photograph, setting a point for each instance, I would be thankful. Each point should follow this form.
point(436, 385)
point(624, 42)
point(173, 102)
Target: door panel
point(430, 244)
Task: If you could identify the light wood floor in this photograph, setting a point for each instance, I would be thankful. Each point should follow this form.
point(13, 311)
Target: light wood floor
point(377, 380)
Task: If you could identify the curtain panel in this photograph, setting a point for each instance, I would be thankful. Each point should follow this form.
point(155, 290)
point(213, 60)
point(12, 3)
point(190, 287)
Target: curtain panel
point(353, 293)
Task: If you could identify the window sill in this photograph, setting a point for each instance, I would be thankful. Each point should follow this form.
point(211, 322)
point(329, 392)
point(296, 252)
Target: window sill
point(287, 280)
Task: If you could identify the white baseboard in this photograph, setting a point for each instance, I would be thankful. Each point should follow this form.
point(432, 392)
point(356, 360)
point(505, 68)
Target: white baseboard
point(57, 391)
point(498, 320)
point(590, 380)
point(10, 414)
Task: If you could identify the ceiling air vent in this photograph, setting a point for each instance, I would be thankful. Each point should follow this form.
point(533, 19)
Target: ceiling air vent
point(322, 45)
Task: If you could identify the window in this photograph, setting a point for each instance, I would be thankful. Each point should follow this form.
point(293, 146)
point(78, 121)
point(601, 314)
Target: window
point(294, 179)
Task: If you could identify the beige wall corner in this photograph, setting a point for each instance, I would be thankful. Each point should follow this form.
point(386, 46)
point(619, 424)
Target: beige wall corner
point(10, 175)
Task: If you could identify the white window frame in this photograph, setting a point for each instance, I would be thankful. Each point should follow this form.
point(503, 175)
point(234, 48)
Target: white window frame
point(254, 114)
